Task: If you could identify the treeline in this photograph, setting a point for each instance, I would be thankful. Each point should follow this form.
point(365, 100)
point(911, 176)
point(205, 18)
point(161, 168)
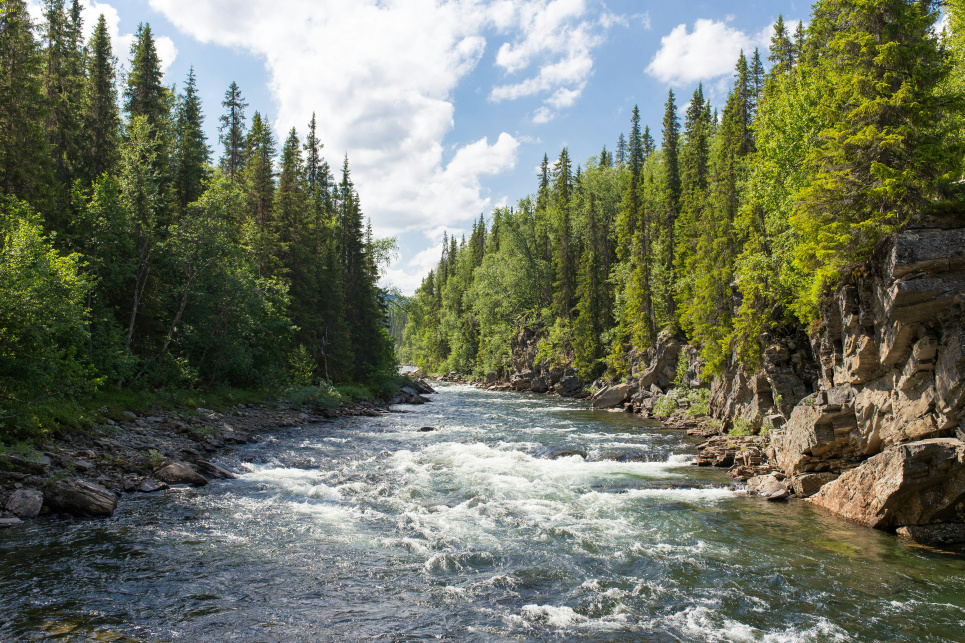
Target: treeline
point(131, 258)
point(735, 224)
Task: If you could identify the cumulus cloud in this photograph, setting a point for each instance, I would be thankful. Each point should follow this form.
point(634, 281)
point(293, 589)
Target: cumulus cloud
point(559, 37)
point(706, 53)
point(380, 76)
point(121, 43)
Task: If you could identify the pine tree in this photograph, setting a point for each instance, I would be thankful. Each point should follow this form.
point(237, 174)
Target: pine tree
point(232, 132)
point(25, 170)
point(191, 154)
point(621, 155)
point(694, 161)
point(757, 77)
point(564, 255)
point(673, 186)
point(145, 95)
point(64, 89)
point(782, 54)
point(102, 121)
point(259, 170)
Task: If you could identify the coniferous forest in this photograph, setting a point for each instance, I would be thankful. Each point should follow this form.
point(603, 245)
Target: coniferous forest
point(133, 257)
point(722, 224)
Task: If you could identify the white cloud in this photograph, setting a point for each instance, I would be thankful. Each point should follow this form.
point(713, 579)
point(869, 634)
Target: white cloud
point(559, 36)
point(708, 52)
point(121, 44)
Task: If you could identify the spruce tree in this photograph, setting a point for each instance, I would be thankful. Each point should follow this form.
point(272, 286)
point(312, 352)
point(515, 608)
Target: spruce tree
point(232, 132)
point(260, 169)
point(191, 154)
point(781, 54)
point(145, 95)
point(671, 160)
point(102, 121)
point(25, 169)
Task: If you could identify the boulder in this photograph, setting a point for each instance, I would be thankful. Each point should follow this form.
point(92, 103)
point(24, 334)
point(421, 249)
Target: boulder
point(426, 429)
point(25, 503)
point(9, 522)
point(612, 396)
point(910, 484)
point(423, 388)
point(808, 484)
point(215, 470)
point(81, 498)
point(820, 433)
point(569, 385)
point(180, 473)
point(768, 487)
point(539, 385)
point(150, 485)
point(947, 533)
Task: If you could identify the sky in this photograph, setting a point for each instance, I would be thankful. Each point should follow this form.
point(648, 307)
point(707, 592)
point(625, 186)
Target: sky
point(446, 107)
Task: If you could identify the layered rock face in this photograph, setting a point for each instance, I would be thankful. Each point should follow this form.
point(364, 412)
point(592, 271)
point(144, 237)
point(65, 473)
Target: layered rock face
point(889, 415)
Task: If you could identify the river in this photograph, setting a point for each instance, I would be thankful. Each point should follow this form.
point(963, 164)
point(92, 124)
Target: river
point(521, 518)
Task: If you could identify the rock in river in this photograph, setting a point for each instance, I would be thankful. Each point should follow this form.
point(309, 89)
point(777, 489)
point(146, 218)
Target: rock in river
point(81, 498)
point(150, 485)
point(25, 503)
point(180, 473)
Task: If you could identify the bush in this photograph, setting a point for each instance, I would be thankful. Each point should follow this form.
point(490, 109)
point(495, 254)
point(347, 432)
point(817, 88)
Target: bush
point(43, 325)
point(666, 405)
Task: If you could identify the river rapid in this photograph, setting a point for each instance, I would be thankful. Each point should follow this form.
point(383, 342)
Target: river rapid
point(521, 518)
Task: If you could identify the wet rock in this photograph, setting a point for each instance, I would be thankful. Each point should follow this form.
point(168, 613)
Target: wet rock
point(808, 484)
point(83, 466)
point(539, 385)
point(180, 473)
point(150, 485)
point(613, 396)
point(910, 484)
point(768, 487)
point(565, 453)
point(569, 386)
point(9, 522)
point(25, 503)
point(215, 470)
point(426, 429)
point(948, 533)
point(81, 498)
point(423, 388)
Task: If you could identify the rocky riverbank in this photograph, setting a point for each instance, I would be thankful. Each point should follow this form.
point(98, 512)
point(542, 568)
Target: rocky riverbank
point(86, 474)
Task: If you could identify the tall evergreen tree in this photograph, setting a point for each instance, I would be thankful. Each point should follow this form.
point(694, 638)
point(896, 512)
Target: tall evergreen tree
point(102, 121)
point(781, 54)
point(25, 170)
point(260, 169)
point(232, 132)
point(191, 153)
point(145, 94)
point(671, 159)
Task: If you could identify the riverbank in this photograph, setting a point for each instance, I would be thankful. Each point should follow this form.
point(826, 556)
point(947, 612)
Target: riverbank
point(85, 473)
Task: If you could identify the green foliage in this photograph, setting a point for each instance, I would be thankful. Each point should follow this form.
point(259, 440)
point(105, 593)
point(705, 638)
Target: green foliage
point(665, 406)
point(741, 427)
point(43, 324)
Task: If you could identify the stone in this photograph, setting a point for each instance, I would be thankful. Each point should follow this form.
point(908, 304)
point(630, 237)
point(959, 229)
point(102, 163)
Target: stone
point(539, 385)
point(34, 464)
point(180, 473)
point(823, 427)
point(767, 487)
point(215, 470)
point(808, 484)
point(910, 484)
point(83, 466)
point(150, 485)
point(9, 522)
point(81, 498)
point(569, 385)
point(426, 429)
point(612, 396)
point(25, 503)
point(946, 533)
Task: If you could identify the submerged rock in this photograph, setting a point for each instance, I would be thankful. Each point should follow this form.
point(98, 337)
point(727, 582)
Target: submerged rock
point(180, 473)
point(150, 485)
point(25, 503)
point(947, 533)
point(613, 396)
point(81, 498)
point(9, 522)
point(426, 429)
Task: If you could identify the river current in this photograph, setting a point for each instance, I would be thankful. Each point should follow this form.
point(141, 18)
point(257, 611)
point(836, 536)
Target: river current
point(521, 518)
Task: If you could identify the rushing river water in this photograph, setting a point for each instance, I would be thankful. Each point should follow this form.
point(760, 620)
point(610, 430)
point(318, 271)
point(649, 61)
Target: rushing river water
point(522, 518)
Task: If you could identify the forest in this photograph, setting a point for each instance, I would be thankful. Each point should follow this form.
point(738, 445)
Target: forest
point(733, 227)
point(132, 259)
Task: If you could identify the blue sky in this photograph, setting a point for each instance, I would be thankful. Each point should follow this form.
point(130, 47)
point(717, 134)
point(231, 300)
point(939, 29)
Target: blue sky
point(446, 107)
